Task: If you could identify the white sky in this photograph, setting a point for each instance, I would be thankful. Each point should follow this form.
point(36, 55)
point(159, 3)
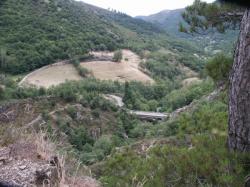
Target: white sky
point(141, 7)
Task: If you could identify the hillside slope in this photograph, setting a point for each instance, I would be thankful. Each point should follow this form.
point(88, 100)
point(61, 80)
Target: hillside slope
point(166, 19)
point(211, 41)
point(36, 33)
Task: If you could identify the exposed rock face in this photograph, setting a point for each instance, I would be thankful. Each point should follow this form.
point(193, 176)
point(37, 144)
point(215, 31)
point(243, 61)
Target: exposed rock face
point(27, 173)
point(239, 95)
point(20, 167)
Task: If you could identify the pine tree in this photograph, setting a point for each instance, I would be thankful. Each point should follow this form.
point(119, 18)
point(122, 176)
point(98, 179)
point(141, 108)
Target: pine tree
point(128, 95)
point(220, 15)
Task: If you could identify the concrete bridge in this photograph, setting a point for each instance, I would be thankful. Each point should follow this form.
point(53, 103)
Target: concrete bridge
point(143, 115)
point(150, 116)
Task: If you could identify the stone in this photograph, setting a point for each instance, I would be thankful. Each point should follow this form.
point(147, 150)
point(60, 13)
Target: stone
point(23, 167)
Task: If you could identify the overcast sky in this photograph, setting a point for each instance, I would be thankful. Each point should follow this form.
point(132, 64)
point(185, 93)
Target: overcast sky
point(141, 7)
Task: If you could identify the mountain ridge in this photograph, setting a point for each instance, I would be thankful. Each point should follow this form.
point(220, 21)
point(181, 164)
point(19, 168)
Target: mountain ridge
point(211, 41)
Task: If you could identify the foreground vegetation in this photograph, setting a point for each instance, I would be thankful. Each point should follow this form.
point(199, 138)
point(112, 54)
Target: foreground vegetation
point(195, 155)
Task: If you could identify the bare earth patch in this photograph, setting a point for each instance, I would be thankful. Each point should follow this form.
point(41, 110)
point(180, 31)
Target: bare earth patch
point(126, 70)
point(55, 74)
point(51, 75)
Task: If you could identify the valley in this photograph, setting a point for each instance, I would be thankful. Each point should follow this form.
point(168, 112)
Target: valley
point(92, 97)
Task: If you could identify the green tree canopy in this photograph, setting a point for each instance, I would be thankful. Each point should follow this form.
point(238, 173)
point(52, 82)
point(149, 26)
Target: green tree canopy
point(202, 16)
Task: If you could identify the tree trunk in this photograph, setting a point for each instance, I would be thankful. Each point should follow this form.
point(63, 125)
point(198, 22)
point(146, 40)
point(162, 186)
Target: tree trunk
point(239, 91)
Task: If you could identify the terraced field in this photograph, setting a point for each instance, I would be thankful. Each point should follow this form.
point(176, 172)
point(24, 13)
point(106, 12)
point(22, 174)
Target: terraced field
point(127, 70)
point(51, 75)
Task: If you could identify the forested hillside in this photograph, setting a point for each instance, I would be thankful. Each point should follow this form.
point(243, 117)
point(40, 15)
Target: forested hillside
point(36, 33)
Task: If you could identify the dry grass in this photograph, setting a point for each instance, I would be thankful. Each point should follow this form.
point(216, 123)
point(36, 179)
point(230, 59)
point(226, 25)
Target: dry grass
point(9, 135)
point(51, 75)
point(126, 70)
point(45, 148)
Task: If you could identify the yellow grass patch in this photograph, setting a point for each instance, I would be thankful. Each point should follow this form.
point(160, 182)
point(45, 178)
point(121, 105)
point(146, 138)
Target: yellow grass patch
point(126, 70)
point(51, 75)
point(55, 74)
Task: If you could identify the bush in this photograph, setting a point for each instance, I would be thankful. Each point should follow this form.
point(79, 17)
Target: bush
point(207, 118)
point(72, 112)
point(161, 67)
point(96, 113)
point(79, 137)
point(83, 72)
point(117, 56)
point(184, 96)
point(208, 163)
point(103, 143)
point(218, 68)
point(75, 61)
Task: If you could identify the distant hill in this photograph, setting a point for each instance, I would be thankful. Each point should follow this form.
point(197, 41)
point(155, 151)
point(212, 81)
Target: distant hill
point(212, 41)
point(158, 17)
point(167, 20)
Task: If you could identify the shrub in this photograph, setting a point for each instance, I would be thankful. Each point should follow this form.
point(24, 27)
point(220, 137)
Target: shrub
point(184, 96)
point(75, 61)
point(208, 163)
point(72, 112)
point(207, 118)
point(103, 143)
point(96, 113)
point(161, 67)
point(218, 68)
point(117, 56)
point(42, 91)
point(83, 72)
point(79, 137)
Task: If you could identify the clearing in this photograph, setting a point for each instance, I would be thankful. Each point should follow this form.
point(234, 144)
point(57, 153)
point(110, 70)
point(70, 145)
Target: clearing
point(51, 75)
point(101, 67)
point(126, 70)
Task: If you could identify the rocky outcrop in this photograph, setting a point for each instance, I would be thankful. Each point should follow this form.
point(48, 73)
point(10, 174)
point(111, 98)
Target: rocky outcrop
point(20, 166)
